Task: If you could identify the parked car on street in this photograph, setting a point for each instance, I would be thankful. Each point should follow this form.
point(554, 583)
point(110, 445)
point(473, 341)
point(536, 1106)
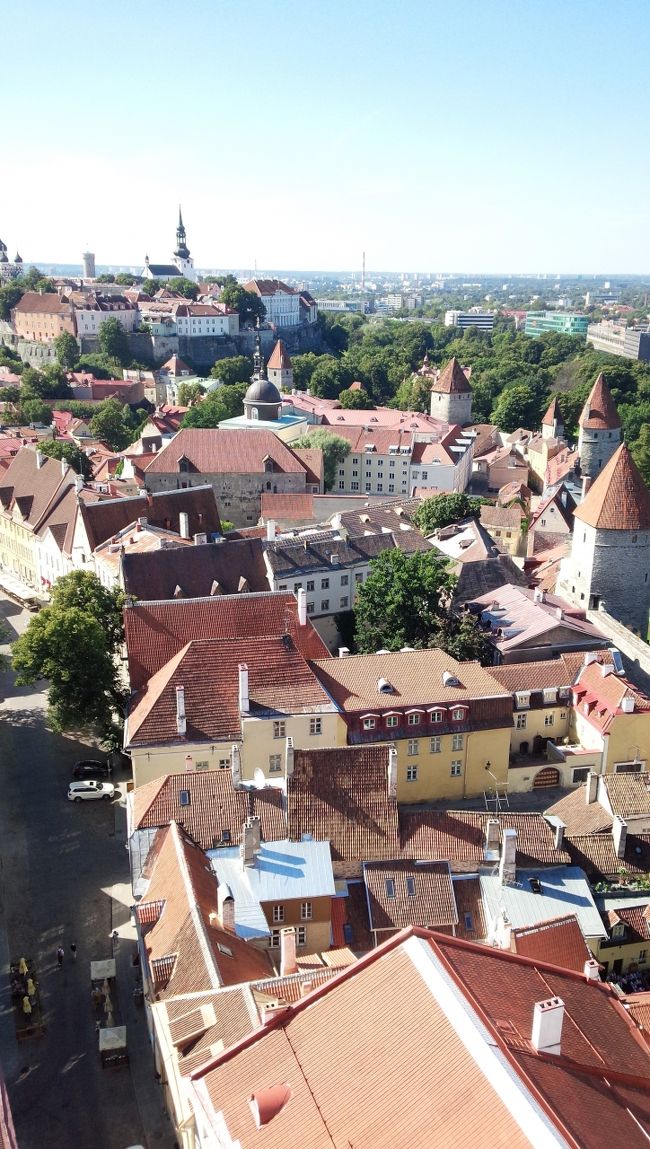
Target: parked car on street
point(86, 791)
point(91, 768)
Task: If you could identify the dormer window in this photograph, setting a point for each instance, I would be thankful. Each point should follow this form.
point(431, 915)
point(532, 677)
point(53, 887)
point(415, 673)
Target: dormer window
point(458, 713)
point(369, 723)
point(392, 719)
point(183, 465)
point(437, 715)
point(522, 699)
point(550, 694)
point(618, 930)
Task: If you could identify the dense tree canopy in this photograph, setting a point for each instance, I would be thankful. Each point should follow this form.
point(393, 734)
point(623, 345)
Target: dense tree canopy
point(249, 305)
point(73, 455)
point(405, 601)
point(188, 392)
point(112, 424)
point(441, 510)
point(222, 403)
point(114, 342)
point(74, 644)
point(334, 447)
point(66, 350)
point(236, 369)
point(358, 400)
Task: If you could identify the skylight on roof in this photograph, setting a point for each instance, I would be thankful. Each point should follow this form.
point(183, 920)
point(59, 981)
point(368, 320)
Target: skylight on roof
point(390, 888)
point(184, 797)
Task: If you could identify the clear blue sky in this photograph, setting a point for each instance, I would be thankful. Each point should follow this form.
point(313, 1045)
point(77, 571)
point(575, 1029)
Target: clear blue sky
point(466, 135)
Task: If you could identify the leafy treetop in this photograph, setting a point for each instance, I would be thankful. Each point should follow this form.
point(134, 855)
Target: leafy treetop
point(334, 447)
point(441, 510)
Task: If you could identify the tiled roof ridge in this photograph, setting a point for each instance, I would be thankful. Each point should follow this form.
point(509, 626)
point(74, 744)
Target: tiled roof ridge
point(600, 409)
point(553, 412)
point(604, 1072)
point(197, 917)
point(546, 924)
point(452, 379)
point(619, 498)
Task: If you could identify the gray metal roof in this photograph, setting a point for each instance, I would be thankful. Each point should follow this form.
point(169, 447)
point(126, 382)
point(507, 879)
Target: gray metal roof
point(564, 890)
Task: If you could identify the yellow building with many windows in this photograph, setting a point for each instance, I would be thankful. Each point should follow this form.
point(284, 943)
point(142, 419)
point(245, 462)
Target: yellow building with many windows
point(450, 721)
point(31, 489)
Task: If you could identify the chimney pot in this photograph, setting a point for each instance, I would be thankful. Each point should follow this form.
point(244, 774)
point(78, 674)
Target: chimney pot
point(235, 765)
point(392, 772)
point(302, 607)
point(225, 908)
point(181, 721)
point(559, 835)
point(548, 1017)
point(592, 970)
point(619, 836)
point(251, 841)
point(591, 788)
point(289, 758)
point(184, 525)
point(344, 651)
point(270, 530)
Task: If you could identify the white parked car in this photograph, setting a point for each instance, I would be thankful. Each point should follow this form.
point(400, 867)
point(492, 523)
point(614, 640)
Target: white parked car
point(86, 791)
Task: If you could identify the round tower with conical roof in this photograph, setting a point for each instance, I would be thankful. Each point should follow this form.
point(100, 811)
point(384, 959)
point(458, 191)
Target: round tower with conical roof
point(609, 565)
point(600, 432)
point(451, 395)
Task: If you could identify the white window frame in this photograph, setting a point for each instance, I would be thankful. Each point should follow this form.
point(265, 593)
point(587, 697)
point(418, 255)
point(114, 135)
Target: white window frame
point(278, 913)
point(315, 726)
point(456, 768)
point(412, 772)
point(435, 744)
point(306, 911)
point(280, 729)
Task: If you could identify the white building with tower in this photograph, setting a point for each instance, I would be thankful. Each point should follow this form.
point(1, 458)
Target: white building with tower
point(182, 263)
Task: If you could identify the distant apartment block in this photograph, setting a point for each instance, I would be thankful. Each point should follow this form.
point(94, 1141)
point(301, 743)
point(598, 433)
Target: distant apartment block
point(483, 320)
point(538, 322)
point(354, 305)
point(617, 339)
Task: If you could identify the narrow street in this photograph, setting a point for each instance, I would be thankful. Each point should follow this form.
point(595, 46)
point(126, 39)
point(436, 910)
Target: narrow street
point(63, 879)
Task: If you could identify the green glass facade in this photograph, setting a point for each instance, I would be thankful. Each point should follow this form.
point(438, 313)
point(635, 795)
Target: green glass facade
point(537, 322)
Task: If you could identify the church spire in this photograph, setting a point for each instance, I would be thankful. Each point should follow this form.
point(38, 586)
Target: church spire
point(259, 366)
point(182, 250)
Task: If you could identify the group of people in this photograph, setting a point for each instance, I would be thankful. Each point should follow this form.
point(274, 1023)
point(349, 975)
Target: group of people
point(60, 953)
point(24, 988)
point(637, 981)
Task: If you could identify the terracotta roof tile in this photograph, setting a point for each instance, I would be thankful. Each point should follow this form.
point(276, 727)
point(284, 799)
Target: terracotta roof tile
point(211, 451)
point(185, 949)
point(104, 519)
point(34, 490)
point(554, 672)
point(156, 631)
point(599, 412)
point(579, 816)
point(595, 854)
point(280, 682)
point(553, 413)
point(200, 571)
point(618, 500)
point(558, 942)
point(48, 303)
point(408, 893)
point(288, 508)
point(280, 359)
point(341, 795)
point(452, 380)
point(458, 836)
point(628, 793)
point(214, 806)
point(198, 1023)
point(635, 918)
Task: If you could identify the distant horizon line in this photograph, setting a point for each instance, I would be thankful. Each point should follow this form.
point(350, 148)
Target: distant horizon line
point(127, 269)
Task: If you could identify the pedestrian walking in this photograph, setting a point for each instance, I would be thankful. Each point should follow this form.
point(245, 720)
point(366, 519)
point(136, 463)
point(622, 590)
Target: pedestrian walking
point(73, 950)
point(60, 954)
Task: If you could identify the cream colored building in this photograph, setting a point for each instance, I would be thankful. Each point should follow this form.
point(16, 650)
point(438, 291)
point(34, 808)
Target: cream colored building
point(31, 496)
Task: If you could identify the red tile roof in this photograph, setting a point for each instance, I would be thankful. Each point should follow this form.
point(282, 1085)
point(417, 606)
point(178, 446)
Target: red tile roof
point(558, 941)
point(408, 893)
point(341, 795)
point(280, 682)
point(452, 380)
point(156, 631)
point(106, 518)
point(618, 500)
point(594, 1094)
point(186, 950)
point(211, 451)
point(214, 806)
point(595, 854)
point(599, 412)
point(458, 836)
point(280, 359)
point(268, 287)
point(553, 413)
point(48, 303)
point(33, 489)
point(579, 816)
point(288, 508)
point(207, 569)
point(600, 694)
point(635, 918)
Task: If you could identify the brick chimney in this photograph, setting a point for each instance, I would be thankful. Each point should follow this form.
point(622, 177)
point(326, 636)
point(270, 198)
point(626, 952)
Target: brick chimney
point(288, 963)
point(244, 701)
point(591, 970)
point(226, 907)
point(548, 1018)
point(508, 862)
point(619, 836)
point(181, 721)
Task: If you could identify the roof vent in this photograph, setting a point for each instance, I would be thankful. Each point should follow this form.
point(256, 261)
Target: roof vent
point(268, 1103)
point(384, 686)
point(383, 651)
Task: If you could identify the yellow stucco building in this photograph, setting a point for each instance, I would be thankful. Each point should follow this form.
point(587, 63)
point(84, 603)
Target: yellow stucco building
point(32, 488)
point(449, 721)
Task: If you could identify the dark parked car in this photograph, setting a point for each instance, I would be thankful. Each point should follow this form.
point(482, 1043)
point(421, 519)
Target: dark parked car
point(91, 768)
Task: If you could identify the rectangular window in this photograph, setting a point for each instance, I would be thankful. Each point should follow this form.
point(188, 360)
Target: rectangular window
point(391, 488)
point(325, 604)
point(521, 721)
point(345, 580)
point(369, 487)
point(343, 602)
point(458, 714)
point(296, 587)
point(549, 719)
point(390, 888)
point(456, 768)
point(436, 716)
point(310, 586)
point(580, 775)
point(202, 765)
point(358, 577)
point(224, 763)
point(392, 720)
point(184, 797)
point(414, 746)
point(301, 936)
point(369, 723)
point(279, 729)
point(324, 584)
point(274, 940)
point(411, 773)
point(341, 485)
point(354, 486)
point(315, 725)
point(435, 745)
point(457, 742)
point(278, 913)
point(306, 911)
point(310, 608)
point(355, 474)
point(469, 921)
point(642, 955)
point(414, 719)
point(275, 763)
point(410, 887)
point(380, 487)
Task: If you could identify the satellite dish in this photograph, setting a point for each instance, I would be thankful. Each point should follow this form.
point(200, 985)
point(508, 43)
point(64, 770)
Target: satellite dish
point(259, 778)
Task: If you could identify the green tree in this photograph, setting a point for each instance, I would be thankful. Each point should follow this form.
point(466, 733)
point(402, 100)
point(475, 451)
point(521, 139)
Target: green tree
point(10, 294)
point(183, 287)
point(101, 366)
point(34, 280)
point(114, 342)
point(641, 452)
point(236, 369)
point(222, 403)
point(74, 643)
point(334, 448)
point(329, 377)
point(518, 406)
point(246, 303)
point(402, 602)
point(73, 455)
point(356, 400)
point(188, 392)
point(441, 510)
point(303, 369)
point(66, 350)
point(35, 411)
point(111, 424)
